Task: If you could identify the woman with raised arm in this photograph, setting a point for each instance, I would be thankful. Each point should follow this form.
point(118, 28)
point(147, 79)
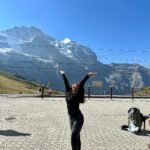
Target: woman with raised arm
point(75, 96)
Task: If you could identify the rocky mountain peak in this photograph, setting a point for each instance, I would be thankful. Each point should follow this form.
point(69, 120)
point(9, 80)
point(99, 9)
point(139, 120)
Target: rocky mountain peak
point(23, 33)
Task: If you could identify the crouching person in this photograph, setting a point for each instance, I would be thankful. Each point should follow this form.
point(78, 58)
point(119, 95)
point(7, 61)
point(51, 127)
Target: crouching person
point(135, 120)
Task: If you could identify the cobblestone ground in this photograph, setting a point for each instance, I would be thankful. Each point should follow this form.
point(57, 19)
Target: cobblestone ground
point(43, 124)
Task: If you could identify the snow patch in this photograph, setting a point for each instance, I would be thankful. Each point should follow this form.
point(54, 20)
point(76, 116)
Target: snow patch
point(68, 51)
point(66, 41)
point(2, 34)
point(5, 50)
point(38, 58)
point(30, 39)
point(56, 65)
point(86, 67)
point(56, 44)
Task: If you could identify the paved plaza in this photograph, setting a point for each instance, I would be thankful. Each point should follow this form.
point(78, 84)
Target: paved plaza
point(43, 124)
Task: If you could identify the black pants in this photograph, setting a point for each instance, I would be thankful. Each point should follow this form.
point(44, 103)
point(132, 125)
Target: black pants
point(76, 124)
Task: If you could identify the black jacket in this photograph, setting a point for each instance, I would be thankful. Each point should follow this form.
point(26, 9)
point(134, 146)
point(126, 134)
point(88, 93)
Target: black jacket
point(72, 99)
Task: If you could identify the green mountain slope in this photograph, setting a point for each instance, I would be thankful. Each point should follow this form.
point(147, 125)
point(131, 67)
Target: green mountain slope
point(12, 84)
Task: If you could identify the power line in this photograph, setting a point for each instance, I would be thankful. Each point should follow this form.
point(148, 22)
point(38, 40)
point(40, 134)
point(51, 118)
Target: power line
point(84, 58)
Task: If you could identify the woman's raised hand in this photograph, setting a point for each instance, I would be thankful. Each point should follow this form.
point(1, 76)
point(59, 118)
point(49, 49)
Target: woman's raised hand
point(62, 72)
point(91, 73)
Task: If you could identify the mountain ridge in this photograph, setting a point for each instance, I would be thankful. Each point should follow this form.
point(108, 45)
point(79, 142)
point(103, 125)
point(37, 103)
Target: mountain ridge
point(36, 56)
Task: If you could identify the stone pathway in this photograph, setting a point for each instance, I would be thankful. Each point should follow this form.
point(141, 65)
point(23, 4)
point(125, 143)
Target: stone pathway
point(43, 124)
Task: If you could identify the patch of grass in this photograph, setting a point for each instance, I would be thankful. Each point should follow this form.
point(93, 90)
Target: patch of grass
point(11, 84)
point(145, 91)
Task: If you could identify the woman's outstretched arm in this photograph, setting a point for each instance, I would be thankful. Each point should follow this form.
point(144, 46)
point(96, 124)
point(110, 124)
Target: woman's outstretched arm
point(67, 86)
point(86, 78)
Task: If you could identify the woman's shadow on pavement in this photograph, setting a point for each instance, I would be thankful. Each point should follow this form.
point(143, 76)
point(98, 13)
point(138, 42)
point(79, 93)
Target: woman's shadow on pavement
point(144, 133)
point(12, 133)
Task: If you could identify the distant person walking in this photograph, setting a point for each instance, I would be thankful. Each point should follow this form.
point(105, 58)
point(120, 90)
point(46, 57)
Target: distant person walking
point(75, 96)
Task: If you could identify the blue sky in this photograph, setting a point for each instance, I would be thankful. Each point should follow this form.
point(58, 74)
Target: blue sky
point(117, 30)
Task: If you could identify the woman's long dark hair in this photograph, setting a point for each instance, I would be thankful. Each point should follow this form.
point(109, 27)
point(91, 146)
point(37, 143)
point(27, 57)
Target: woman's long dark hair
point(81, 95)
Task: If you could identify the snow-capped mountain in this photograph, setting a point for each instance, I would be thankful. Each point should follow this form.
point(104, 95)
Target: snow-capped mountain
point(36, 56)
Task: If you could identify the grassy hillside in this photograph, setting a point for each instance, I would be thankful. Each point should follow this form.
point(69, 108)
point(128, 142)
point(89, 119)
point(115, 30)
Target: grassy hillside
point(12, 84)
point(143, 92)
